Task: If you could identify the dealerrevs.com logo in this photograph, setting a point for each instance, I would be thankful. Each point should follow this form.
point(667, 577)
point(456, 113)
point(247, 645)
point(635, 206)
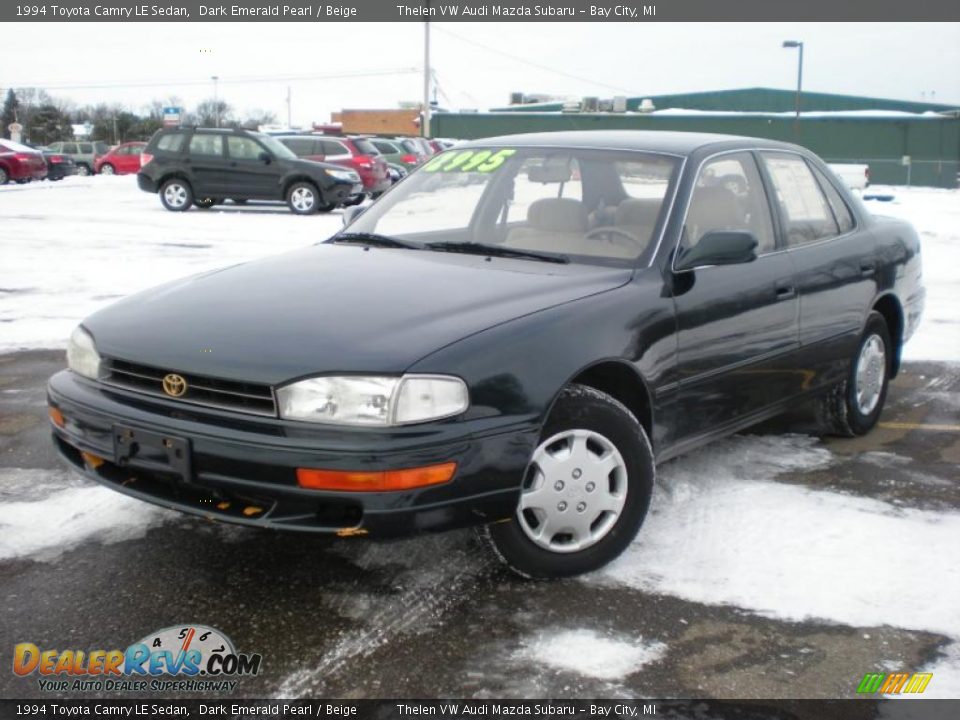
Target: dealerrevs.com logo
point(185, 658)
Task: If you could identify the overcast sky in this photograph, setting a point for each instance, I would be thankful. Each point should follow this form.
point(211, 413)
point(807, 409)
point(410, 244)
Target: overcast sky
point(472, 61)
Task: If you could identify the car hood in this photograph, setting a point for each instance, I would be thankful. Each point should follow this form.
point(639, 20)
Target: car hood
point(333, 308)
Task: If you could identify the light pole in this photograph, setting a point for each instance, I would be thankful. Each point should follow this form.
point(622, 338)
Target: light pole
point(425, 122)
point(216, 98)
point(797, 44)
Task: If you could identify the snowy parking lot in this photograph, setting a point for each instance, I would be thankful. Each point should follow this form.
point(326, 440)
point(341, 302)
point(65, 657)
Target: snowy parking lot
point(773, 564)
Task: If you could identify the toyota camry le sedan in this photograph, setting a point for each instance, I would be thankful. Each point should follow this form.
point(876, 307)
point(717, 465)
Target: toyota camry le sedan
point(511, 338)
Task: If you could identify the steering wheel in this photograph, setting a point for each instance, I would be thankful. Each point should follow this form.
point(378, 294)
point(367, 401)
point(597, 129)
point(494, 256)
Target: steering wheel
point(609, 232)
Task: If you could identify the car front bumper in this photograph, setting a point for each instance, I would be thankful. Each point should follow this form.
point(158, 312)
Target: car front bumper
point(242, 469)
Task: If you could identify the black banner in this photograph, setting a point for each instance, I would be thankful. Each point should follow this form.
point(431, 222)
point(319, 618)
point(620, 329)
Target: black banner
point(864, 709)
point(479, 11)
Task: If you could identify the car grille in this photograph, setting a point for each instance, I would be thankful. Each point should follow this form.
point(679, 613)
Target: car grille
point(211, 392)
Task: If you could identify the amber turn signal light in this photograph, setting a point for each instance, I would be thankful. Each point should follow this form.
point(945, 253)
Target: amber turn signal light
point(56, 417)
point(375, 481)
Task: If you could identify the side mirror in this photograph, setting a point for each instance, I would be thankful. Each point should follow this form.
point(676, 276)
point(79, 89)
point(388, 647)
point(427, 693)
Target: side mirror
point(352, 213)
point(720, 247)
point(265, 158)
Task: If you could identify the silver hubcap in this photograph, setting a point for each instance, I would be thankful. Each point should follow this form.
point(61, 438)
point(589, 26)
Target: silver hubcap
point(82, 170)
point(302, 198)
point(107, 170)
point(871, 374)
point(175, 195)
point(574, 491)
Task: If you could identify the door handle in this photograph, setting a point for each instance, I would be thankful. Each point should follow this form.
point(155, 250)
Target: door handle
point(786, 292)
point(867, 268)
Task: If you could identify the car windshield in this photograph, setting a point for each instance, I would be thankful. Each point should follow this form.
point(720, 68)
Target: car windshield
point(588, 205)
point(276, 147)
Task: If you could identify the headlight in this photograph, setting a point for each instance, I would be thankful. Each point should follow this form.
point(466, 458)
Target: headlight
point(82, 355)
point(374, 401)
point(345, 175)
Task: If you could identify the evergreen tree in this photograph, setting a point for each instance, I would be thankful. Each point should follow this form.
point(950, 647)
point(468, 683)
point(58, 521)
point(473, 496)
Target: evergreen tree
point(8, 115)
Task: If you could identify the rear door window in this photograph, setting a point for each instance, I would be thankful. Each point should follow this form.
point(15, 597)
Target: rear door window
point(86, 148)
point(70, 148)
point(334, 149)
point(841, 213)
point(206, 145)
point(805, 212)
point(301, 147)
point(385, 147)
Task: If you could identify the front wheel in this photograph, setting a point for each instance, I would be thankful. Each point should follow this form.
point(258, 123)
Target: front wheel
point(176, 195)
point(853, 407)
point(303, 198)
point(83, 170)
point(585, 492)
point(107, 169)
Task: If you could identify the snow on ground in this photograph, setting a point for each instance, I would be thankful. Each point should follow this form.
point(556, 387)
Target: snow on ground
point(935, 214)
point(588, 653)
point(67, 517)
point(722, 531)
point(72, 247)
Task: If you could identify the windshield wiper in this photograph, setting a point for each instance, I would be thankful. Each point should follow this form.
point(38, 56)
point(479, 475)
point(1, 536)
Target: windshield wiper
point(375, 239)
point(475, 248)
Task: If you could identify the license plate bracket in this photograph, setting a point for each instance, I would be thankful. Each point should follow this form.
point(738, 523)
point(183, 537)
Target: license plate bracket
point(149, 450)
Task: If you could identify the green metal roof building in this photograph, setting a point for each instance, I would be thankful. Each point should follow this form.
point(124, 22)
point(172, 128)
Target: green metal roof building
point(902, 141)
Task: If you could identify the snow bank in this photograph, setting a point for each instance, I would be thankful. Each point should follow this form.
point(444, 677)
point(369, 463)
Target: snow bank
point(45, 529)
point(589, 653)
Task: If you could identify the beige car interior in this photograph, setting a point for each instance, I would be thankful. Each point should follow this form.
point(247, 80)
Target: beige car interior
point(561, 225)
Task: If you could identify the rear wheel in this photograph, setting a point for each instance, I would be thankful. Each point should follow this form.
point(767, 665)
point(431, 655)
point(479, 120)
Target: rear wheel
point(585, 492)
point(107, 169)
point(303, 198)
point(176, 195)
point(853, 407)
point(83, 170)
point(4, 177)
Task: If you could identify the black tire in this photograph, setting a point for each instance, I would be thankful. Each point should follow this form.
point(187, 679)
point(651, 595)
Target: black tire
point(206, 203)
point(83, 170)
point(583, 408)
point(176, 195)
point(840, 411)
point(303, 198)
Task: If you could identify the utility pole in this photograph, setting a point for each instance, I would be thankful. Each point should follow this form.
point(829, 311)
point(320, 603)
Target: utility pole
point(216, 98)
point(289, 121)
point(425, 122)
point(799, 45)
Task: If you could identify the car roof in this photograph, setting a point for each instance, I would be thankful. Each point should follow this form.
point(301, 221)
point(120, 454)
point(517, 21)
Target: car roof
point(677, 143)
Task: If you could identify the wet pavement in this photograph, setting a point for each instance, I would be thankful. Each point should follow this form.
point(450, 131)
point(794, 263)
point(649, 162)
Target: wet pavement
point(436, 615)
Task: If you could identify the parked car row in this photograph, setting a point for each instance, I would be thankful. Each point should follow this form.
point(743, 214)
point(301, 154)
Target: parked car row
point(22, 163)
point(201, 167)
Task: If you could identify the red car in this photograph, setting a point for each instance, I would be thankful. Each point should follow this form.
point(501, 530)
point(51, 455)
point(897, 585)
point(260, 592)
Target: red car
point(356, 153)
point(120, 160)
point(21, 163)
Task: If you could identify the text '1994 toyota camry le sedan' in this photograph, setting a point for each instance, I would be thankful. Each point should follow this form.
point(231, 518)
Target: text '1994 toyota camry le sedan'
point(512, 337)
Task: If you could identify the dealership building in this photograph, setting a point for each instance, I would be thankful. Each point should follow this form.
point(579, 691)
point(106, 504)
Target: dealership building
point(903, 142)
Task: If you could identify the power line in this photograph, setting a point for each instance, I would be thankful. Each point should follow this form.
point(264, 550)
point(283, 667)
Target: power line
point(524, 61)
point(242, 80)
